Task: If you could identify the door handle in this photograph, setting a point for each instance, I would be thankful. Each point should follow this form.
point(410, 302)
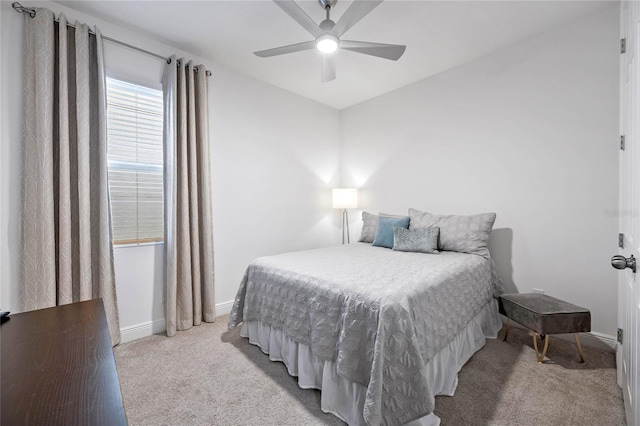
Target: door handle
point(620, 262)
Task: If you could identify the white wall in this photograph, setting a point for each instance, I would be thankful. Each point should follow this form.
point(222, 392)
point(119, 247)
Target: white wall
point(529, 132)
point(274, 155)
point(275, 158)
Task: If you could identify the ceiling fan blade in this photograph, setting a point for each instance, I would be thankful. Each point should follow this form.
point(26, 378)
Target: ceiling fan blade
point(381, 50)
point(328, 68)
point(298, 47)
point(300, 17)
point(358, 10)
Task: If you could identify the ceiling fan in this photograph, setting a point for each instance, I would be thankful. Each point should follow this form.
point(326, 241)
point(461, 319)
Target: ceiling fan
point(327, 35)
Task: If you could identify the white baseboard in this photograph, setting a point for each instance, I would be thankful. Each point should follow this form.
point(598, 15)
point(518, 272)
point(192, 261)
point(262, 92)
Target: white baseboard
point(592, 339)
point(146, 329)
point(138, 331)
point(224, 308)
point(127, 334)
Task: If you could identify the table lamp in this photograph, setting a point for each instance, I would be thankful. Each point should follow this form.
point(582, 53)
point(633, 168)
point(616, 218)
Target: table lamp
point(345, 198)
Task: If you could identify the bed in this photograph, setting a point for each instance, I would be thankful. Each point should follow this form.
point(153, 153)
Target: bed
point(379, 331)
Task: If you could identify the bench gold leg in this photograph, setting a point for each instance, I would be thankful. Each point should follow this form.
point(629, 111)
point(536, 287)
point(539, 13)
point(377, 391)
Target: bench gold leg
point(579, 347)
point(506, 333)
point(540, 357)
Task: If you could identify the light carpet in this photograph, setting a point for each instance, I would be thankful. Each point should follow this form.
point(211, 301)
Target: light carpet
point(211, 376)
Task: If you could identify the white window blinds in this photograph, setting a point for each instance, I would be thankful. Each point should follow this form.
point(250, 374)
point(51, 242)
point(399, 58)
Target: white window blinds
point(134, 132)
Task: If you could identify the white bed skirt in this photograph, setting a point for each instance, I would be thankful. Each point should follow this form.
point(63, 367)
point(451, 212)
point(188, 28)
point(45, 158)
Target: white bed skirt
point(345, 398)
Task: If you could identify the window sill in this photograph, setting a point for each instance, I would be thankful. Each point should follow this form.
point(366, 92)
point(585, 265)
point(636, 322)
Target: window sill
point(154, 243)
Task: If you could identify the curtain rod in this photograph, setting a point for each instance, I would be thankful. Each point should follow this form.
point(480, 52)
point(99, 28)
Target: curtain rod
point(32, 13)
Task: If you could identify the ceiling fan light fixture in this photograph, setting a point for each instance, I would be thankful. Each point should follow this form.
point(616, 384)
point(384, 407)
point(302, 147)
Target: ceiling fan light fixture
point(327, 43)
point(327, 35)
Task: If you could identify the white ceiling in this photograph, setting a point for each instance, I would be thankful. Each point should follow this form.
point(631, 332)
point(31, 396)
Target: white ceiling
point(438, 34)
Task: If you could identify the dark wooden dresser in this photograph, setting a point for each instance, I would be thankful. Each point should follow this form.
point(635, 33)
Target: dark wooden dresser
point(58, 368)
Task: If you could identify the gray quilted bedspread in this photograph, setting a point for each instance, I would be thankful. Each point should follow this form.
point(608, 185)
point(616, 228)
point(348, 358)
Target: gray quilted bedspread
point(378, 313)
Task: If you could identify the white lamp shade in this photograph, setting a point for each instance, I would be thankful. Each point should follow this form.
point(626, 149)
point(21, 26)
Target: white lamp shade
point(345, 198)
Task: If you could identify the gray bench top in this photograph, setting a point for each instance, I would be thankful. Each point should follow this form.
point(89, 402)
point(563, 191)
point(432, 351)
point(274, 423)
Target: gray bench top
point(545, 314)
point(543, 304)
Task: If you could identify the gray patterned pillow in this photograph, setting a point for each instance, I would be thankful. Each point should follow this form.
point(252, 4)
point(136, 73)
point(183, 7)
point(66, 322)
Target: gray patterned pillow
point(464, 234)
point(369, 225)
point(420, 240)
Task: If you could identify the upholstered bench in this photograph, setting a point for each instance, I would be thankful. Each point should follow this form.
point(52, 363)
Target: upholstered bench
point(545, 315)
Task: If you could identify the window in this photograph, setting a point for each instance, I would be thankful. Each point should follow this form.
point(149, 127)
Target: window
point(135, 157)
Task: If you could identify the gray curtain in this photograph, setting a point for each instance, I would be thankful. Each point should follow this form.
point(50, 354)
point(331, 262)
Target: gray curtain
point(189, 272)
point(67, 255)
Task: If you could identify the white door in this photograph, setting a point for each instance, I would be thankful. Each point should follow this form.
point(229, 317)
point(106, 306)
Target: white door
point(628, 353)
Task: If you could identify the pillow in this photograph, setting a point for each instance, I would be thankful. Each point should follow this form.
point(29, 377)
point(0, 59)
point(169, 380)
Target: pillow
point(420, 240)
point(464, 234)
point(369, 224)
point(384, 231)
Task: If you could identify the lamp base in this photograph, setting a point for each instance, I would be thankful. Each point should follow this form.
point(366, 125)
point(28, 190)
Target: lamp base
point(345, 226)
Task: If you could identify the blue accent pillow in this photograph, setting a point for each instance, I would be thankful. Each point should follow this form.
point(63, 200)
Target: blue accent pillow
point(384, 231)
